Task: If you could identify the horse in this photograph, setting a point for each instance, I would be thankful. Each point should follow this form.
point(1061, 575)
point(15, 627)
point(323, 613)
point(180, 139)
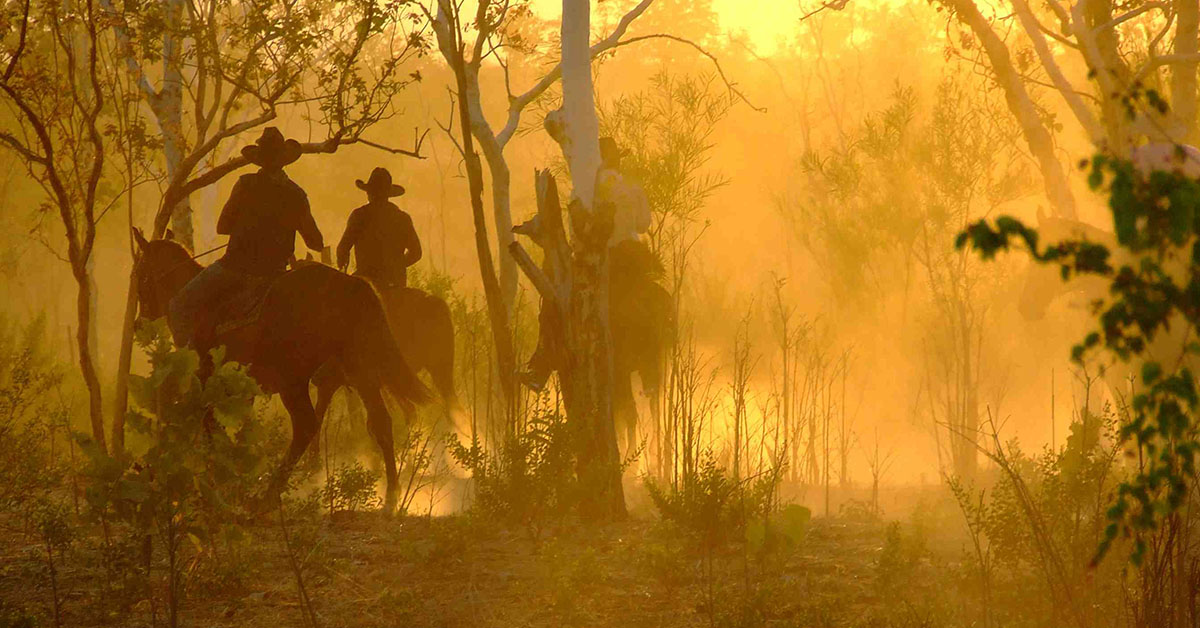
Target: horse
point(310, 316)
point(1044, 285)
point(642, 319)
point(421, 324)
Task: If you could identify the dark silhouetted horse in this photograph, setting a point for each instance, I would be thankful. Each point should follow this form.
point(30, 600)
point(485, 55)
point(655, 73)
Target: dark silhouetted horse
point(311, 316)
point(641, 314)
point(423, 330)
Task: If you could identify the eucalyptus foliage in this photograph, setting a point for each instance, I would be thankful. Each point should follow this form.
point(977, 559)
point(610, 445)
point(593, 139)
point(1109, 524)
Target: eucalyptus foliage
point(1154, 290)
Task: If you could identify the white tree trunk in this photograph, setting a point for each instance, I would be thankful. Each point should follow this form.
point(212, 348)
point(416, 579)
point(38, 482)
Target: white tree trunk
point(582, 127)
point(1041, 145)
point(588, 376)
point(1083, 114)
point(169, 113)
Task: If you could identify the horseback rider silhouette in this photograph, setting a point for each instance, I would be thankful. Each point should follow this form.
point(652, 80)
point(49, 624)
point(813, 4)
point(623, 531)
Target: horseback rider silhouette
point(631, 262)
point(631, 216)
point(264, 213)
point(382, 236)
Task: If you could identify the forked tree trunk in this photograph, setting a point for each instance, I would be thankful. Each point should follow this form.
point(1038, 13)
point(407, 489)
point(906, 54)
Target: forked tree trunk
point(493, 154)
point(575, 288)
point(497, 312)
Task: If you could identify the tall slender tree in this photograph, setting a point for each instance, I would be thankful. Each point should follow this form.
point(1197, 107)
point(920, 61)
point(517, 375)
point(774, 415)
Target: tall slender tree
point(52, 80)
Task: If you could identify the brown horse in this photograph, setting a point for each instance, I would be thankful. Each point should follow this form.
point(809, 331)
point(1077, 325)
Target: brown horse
point(643, 329)
point(642, 321)
point(423, 330)
point(311, 316)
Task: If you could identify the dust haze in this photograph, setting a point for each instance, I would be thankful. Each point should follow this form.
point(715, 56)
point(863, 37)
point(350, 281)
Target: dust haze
point(814, 409)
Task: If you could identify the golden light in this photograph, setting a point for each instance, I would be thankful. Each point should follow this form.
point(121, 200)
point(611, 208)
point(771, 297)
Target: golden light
point(766, 23)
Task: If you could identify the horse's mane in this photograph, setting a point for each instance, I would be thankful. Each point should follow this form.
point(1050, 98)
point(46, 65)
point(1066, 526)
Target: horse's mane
point(169, 252)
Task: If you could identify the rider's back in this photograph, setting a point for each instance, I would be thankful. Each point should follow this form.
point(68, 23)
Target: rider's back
point(382, 235)
point(262, 217)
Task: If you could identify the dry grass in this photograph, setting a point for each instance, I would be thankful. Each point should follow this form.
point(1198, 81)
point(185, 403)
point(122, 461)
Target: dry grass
point(364, 570)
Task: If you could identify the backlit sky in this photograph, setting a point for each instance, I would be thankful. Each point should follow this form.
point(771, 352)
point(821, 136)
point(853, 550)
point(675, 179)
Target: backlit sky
point(764, 21)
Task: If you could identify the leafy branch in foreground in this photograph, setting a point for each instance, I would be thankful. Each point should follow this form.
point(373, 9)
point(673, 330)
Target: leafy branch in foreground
point(1154, 299)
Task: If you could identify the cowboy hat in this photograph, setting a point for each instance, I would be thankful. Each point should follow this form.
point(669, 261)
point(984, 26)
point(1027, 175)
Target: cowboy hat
point(380, 182)
point(272, 150)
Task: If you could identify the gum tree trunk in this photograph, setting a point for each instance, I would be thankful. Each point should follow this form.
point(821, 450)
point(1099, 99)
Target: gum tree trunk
point(1037, 137)
point(589, 340)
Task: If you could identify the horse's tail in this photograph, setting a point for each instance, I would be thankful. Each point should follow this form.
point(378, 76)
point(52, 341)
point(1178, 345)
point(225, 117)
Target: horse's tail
point(374, 354)
point(441, 367)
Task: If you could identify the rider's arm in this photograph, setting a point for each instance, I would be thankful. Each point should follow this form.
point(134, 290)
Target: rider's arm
point(232, 207)
point(308, 228)
point(412, 248)
point(349, 237)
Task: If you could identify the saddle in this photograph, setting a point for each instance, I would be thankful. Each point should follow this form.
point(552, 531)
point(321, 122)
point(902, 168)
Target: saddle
point(243, 306)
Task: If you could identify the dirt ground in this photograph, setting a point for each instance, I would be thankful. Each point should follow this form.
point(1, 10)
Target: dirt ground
point(364, 570)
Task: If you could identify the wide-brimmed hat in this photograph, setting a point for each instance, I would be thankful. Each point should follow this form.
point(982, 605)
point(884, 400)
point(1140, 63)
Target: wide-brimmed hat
point(380, 183)
point(609, 151)
point(272, 150)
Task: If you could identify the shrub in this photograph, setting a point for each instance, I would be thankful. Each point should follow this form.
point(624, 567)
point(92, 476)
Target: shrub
point(198, 454)
point(350, 488)
point(714, 508)
point(30, 413)
point(531, 476)
point(1041, 522)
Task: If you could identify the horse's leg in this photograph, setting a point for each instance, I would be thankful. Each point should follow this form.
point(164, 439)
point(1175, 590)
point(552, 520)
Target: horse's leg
point(379, 424)
point(304, 427)
point(441, 370)
point(328, 380)
point(624, 411)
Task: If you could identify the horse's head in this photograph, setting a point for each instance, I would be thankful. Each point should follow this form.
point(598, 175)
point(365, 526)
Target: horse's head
point(163, 267)
point(1042, 285)
point(1044, 282)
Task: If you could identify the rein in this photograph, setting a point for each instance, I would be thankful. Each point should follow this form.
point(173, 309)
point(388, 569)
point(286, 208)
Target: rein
point(212, 250)
point(156, 277)
point(191, 258)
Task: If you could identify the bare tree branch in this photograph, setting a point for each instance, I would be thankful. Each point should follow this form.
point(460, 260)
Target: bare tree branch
point(732, 87)
point(1121, 19)
point(16, 55)
point(518, 103)
point(21, 148)
point(1033, 29)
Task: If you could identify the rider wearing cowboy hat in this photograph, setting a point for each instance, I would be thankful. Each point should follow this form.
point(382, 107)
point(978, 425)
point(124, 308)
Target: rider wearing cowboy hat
point(382, 235)
point(264, 213)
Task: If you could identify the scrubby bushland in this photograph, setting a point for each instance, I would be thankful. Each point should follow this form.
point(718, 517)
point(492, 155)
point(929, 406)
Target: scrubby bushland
point(197, 458)
point(531, 477)
point(1153, 275)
